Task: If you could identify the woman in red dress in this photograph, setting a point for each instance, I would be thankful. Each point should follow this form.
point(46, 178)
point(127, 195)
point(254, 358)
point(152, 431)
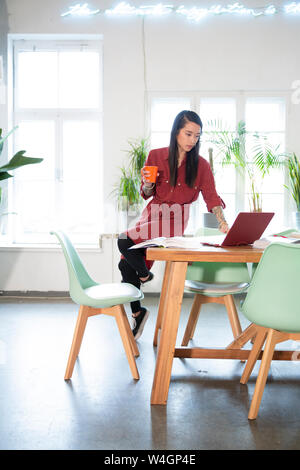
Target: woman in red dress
point(182, 174)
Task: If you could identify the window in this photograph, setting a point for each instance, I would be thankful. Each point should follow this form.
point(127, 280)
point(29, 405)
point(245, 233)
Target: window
point(266, 116)
point(57, 106)
point(262, 115)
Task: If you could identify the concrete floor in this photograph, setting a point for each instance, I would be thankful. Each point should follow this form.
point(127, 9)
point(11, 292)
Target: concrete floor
point(103, 408)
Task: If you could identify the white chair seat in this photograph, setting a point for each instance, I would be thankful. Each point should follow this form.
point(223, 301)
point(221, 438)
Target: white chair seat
point(121, 292)
point(215, 288)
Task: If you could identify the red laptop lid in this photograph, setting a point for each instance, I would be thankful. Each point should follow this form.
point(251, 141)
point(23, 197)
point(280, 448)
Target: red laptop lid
point(247, 227)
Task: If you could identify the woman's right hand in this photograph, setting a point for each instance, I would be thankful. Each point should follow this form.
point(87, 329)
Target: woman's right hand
point(146, 174)
point(223, 227)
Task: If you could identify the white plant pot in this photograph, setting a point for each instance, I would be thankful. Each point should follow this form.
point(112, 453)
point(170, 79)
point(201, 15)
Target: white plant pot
point(209, 220)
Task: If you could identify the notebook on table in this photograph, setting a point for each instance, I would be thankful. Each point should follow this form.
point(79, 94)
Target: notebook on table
point(247, 227)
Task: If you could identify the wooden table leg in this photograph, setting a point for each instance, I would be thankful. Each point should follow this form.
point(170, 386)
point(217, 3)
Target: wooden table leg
point(170, 322)
point(162, 302)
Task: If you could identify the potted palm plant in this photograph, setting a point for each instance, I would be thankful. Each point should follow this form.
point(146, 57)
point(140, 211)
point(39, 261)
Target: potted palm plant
point(127, 190)
point(293, 166)
point(231, 148)
point(137, 155)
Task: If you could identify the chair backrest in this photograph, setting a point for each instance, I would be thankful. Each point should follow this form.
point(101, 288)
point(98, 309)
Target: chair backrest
point(216, 272)
point(273, 299)
point(284, 233)
point(79, 279)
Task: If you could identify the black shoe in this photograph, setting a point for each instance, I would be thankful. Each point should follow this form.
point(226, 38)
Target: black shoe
point(151, 276)
point(139, 323)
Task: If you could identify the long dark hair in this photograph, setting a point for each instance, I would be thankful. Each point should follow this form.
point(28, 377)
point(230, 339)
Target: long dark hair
point(192, 156)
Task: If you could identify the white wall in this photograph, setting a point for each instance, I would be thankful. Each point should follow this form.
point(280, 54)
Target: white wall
point(220, 53)
point(34, 270)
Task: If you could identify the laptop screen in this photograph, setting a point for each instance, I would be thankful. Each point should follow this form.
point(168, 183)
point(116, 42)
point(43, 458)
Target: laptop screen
point(247, 227)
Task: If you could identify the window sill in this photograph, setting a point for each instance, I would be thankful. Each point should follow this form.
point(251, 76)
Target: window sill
point(46, 247)
point(52, 247)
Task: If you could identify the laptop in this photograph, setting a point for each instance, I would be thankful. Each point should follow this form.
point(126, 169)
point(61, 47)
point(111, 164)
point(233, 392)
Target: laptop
point(247, 227)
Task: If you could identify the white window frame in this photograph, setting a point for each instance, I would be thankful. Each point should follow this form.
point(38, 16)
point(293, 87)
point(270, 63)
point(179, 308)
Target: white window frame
point(15, 115)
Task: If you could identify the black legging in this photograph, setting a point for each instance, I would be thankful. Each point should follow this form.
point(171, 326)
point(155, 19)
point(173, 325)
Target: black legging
point(133, 267)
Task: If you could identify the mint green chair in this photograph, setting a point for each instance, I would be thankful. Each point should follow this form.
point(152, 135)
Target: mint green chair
point(215, 283)
point(95, 299)
point(272, 305)
point(284, 233)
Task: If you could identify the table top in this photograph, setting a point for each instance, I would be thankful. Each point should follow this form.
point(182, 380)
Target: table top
point(234, 254)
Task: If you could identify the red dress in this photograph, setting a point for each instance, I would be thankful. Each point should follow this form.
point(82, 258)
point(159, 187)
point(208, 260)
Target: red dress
point(167, 214)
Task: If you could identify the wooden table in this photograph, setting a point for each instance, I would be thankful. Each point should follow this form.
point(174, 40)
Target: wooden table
point(170, 307)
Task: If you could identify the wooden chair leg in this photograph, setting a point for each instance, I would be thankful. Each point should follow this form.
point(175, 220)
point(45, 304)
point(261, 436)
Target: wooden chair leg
point(232, 315)
point(272, 339)
point(121, 322)
point(77, 339)
point(244, 337)
point(133, 344)
point(192, 321)
point(256, 349)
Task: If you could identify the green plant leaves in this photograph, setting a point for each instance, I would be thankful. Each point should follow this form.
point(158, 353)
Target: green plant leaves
point(137, 155)
point(230, 144)
point(19, 160)
point(16, 161)
point(127, 190)
point(4, 175)
point(265, 155)
point(259, 152)
point(293, 165)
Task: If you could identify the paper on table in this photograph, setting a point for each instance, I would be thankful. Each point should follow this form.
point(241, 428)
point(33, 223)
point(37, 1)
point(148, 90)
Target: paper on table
point(264, 242)
point(173, 242)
